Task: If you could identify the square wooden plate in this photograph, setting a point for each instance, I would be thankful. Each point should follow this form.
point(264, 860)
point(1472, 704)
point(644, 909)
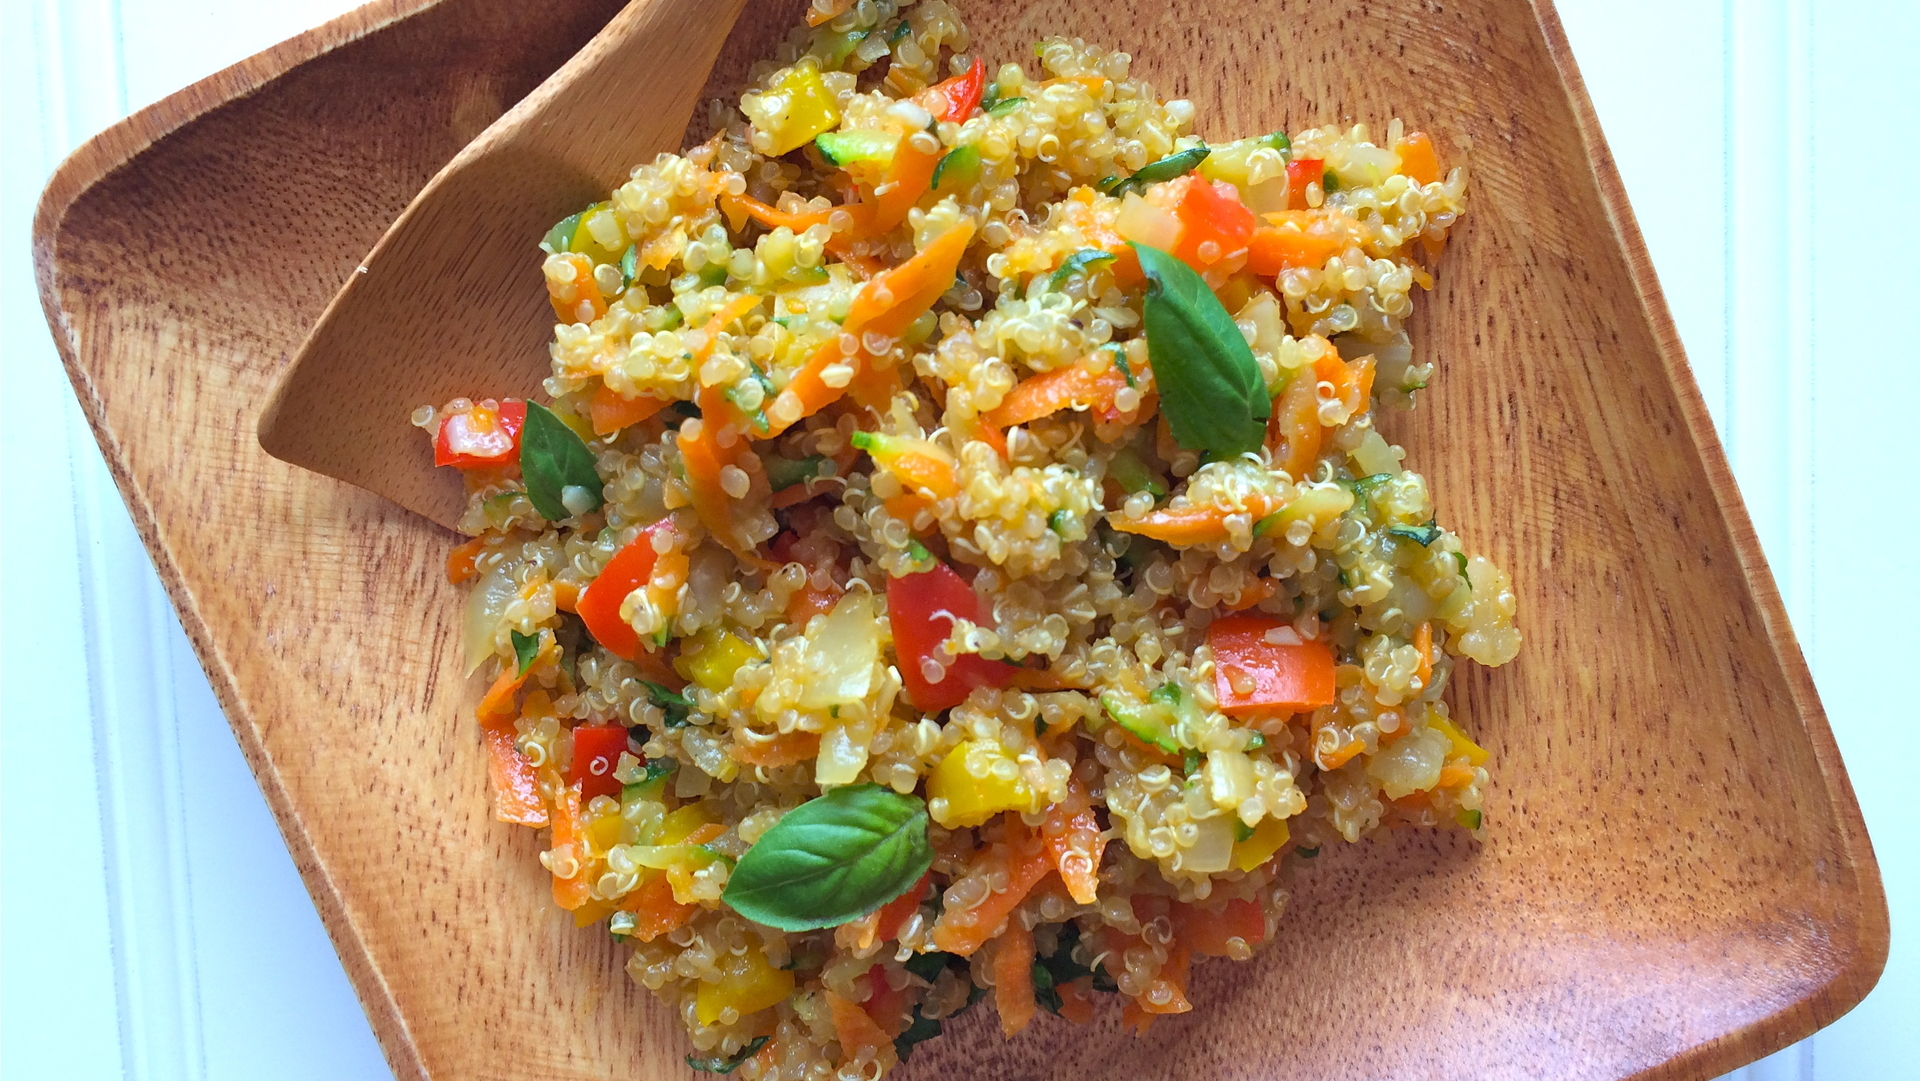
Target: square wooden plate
point(1676, 879)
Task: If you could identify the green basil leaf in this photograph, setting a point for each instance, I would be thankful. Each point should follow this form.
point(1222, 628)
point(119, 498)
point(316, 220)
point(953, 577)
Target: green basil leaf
point(525, 648)
point(1079, 262)
point(1211, 390)
point(1328, 182)
point(561, 479)
point(1168, 168)
point(728, 1064)
point(1461, 558)
point(675, 705)
point(560, 237)
point(833, 859)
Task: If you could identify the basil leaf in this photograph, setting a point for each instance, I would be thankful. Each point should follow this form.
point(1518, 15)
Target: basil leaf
point(1211, 390)
point(1167, 168)
point(560, 237)
point(899, 32)
point(1079, 262)
point(1328, 182)
point(833, 859)
point(675, 705)
point(559, 469)
point(718, 1064)
point(525, 648)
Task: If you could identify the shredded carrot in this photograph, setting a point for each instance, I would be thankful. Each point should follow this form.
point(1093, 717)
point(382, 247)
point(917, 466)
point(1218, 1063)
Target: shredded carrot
point(706, 462)
point(887, 305)
point(497, 705)
point(825, 11)
point(859, 1034)
point(1257, 592)
point(1455, 774)
point(1342, 756)
point(906, 180)
point(1074, 842)
point(895, 913)
point(738, 208)
point(460, 566)
point(1135, 1018)
point(806, 602)
point(610, 411)
point(1294, 433)
point(1013, 978)
point(655, 911)
point(1172, 979)
point(906, 506)
point(569, 834)
point(1025, 861)
point(1040, 679)
point(874, 385)
point(1202, 524)
point(1076, 1000)
point(1274, 249)
point(578, 299)
point(1075, 386)
point(782, 750)
point(1423, 641)
point(1418, 162)
point(516, 790)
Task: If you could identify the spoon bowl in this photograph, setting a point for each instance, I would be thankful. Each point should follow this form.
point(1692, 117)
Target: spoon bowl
point(449, 300)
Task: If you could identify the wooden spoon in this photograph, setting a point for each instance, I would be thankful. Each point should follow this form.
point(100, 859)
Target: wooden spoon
point(451, 302)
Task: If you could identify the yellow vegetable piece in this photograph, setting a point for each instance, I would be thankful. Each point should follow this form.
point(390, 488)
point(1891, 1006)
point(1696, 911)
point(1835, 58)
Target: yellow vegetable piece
point(711, 657)
point(675, 827)
point(598, 223)
point(1474, 753)
point(604, 832)
point(1268, 837)
point(748, 984)
point(592, 912)
point(795, 109)
point(973, 789)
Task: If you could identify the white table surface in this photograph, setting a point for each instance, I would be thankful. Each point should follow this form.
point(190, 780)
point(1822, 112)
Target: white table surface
point(152, 926)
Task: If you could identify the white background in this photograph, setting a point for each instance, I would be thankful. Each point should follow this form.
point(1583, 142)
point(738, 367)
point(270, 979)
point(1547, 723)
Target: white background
point(152, 925)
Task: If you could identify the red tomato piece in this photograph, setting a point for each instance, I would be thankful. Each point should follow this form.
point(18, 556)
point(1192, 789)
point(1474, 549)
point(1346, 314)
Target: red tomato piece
point(599, 604)
point(596, 752)
point(922, 609)
point(1255, 672)
point(1215, 225)
point(1300, 173)
point(481, 438)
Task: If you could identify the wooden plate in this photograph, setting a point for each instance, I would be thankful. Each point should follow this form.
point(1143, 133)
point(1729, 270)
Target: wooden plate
point(1676, 880)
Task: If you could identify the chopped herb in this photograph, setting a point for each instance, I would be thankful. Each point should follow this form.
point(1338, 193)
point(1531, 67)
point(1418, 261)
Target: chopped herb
point(672, 703)
point(1328, 182)
point(1005, 106)
point(561, 478)
point(1059, 520)
point(630, 266)
point(1191, 761)
point(1241, 831)
point(713, 274)
point(1277, 141)
point(1256, 741)
point(1468, 819)
point(526, 647)
point(833, 859)
point(652, 783)
point(1120, 362)
point(1168, 168)
point(899, 32)
point(729, 1063)
point(1039, 725)
point(919, 552)
point(1461, 558)
point(928, 965)
point(1080, 262)
point(1423, 534)
point(1211, 389)
point(783, 473)
point(1306, 853)
point(560, 237)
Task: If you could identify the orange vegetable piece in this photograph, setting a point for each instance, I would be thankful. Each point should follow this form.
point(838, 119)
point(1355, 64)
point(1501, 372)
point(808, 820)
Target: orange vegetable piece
point(706, 462)
point(1423, 641)
point(1074, 843)
point(783, 750)
point(1076, 1000)
point(1342, 756)
point(859, 1034)
point(1297, 239)
point(1013, 978)
point(1455, 775)
point(1172, 979)
point(611, 411)
point(1208, 933)
point(578, 299)
point(569, 831)
point(1211, 213)
point(516, 791)
point(496, 706)
point(655, 911)
point(907, 179)
point(1418, 162)
point(895, 913)
point(738, 208)
point(1203, 524)
point(825, 11)
point(1025, 859)
point(1254, 674)
point(1075, 386)
point(1294, 434)
point(566, 596)
point(460, 566)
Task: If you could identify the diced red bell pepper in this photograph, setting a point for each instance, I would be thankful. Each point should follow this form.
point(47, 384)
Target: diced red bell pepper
point(1300, 173)
point(628, 570)
point(960, 94)
point(481, 438)
point(922, 609)
point(1211, 213)
point(596, 752)
point(1254, 673)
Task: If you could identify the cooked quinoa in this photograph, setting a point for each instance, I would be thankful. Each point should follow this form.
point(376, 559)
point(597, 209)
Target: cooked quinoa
point(863, 474)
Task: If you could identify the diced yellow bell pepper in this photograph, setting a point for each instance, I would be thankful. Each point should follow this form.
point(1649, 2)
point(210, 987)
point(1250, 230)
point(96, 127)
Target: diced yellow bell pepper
point(1268, 837)
point(797, 107)
point(592, 912)
point(597, 223)
point(748, 983)
point(971, 790)
point(711, 657)
point(1475, 754)
point(679, 823)
point(604, 832)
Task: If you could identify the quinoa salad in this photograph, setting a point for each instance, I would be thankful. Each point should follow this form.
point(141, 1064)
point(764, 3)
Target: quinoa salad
point(956, 558)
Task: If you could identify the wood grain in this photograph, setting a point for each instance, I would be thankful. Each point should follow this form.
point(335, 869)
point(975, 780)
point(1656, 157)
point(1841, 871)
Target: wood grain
point(1677, 880)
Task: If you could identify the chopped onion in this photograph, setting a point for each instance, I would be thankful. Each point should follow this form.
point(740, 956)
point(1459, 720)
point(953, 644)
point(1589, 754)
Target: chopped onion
point(1144, 223)
point(841, 757)
point(843, 657)
point(1411, 764)
point(1213, 849)
point(1374, 455)
point(485, 605)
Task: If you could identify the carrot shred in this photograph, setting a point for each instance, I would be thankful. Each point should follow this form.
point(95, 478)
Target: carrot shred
point(610, 411)
point(1025, 860)
point(859, 1034)
point(1423, 641)
point(1075, 386)
point(906, 506)
point(1203, 524)
point(1013, 978)
point(460, 566)
point(655, 911)
point(706, 462)
point(1212, 933)
point(1455, 775)
point(1342, 756)
point(1076, 1000)
point(1074, 842)
point(497, 706)
point(820, 14)
point(895, 913)
point(782, 750)
point(738, 208)
point(569, 832)
point(566, 596)
point(1134, 1017)
point(1173, 979)
point(1294, 433)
